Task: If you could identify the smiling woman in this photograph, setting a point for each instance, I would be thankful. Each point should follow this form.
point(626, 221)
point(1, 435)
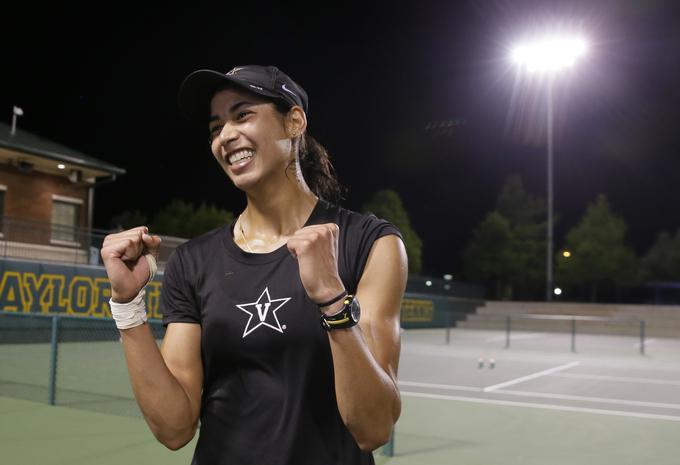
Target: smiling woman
point(266, 343)
point(312, 158)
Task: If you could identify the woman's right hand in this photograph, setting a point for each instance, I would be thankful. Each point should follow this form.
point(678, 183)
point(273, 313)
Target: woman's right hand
point(127, 271)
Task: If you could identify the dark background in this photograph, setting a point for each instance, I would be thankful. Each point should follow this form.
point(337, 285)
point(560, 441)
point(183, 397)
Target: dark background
point(103, 80)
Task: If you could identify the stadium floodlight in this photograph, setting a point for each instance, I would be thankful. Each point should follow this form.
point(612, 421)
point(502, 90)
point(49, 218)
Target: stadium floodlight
point(549, 54)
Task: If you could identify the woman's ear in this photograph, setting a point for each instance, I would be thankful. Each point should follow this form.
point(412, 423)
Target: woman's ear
point(296, 122)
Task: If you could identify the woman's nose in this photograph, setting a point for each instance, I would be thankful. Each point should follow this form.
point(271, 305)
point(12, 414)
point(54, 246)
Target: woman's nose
point(228, 134)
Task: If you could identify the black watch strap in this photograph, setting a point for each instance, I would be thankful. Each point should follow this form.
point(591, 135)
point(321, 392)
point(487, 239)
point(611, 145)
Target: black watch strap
point(347, 317)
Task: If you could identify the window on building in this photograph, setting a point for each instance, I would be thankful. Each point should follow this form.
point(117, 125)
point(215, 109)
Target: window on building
point(3, 189)
point(65, 219)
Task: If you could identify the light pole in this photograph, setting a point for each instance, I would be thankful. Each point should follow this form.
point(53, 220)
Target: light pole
point(549, 56)
point(15, 112)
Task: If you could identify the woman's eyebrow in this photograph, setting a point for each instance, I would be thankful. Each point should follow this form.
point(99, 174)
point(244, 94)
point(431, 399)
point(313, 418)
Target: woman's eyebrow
point(233, 108)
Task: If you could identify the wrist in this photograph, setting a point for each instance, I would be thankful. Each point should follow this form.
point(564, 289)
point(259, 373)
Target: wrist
point(345, 317)
point(130, 314)
point(118, 299)
point(329, 294)
point(334, 308)
point(327, 303)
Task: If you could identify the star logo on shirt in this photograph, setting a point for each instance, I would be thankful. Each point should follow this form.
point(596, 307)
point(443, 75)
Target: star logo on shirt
point(263, 312)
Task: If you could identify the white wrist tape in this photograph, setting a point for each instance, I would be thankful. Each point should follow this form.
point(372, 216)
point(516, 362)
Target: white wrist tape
point(129, 314)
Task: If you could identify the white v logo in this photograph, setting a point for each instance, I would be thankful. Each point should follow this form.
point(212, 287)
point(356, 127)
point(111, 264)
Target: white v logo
point(268, 318)
point(260, 313)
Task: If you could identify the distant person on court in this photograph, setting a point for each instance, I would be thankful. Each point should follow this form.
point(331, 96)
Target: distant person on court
point(282, 336)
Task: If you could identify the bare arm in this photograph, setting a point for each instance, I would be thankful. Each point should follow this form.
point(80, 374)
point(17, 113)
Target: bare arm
point(365, 357)
point(167, 384)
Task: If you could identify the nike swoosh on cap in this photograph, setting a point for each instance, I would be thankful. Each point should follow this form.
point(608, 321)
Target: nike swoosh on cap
point(283, 86)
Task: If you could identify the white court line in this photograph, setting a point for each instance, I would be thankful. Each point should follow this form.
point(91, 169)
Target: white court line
point(451, 387)
point(533, 376)
point(623, 379)
point(516, 337)
point(604, 400)
point(543, 406)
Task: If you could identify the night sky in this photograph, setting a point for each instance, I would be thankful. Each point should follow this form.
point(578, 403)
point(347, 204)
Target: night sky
point(104, 80)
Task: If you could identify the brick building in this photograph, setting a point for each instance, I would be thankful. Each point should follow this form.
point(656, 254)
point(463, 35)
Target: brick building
point(47, 194)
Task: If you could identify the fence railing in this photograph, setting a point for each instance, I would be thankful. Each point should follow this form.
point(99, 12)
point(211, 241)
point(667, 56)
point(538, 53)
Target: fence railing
point(622, 325)
point(36, 240)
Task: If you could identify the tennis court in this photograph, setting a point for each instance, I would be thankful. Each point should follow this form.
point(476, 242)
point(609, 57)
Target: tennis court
point(541, 403)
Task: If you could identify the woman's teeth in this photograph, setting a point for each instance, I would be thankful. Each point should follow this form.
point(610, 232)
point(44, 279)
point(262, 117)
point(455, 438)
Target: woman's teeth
point(240, 155)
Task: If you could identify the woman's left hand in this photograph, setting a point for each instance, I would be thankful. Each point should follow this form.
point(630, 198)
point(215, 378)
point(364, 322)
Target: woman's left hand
point(316, 250)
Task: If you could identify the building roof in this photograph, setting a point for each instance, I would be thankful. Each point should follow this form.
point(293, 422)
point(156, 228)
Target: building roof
point(24, 141)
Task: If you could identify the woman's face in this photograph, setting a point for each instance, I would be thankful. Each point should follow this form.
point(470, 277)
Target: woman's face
point(248, 137)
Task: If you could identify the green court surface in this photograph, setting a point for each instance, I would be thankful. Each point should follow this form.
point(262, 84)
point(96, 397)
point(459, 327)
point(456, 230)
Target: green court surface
point(539, 403)
point(439, 432)
point(32, 433)
point(430, 432)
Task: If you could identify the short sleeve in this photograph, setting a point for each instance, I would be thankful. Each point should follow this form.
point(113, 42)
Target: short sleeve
point(178, 300)
point(359, 240)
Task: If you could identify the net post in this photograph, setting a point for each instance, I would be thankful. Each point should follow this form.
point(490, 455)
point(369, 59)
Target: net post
point(388, 449)
point(642, 337)
point(507, 331)
point(448, 327)
point(52, 385)
point(573, 334)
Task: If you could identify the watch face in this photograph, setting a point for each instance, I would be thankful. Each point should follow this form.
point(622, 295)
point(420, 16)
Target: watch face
point(355, 310)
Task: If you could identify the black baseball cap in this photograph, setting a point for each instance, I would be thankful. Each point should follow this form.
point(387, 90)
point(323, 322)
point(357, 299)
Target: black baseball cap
point(198, 87)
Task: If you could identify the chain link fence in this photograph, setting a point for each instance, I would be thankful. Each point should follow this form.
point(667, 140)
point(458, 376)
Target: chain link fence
point(66, 360)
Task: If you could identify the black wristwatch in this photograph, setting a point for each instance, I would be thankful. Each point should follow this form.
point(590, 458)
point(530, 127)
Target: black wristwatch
point(347, 317)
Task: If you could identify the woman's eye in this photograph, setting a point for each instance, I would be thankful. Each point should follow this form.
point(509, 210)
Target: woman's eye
point(215, 131)
point(242, 114)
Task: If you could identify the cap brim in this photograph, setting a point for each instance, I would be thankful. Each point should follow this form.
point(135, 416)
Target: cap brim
point(198, 88)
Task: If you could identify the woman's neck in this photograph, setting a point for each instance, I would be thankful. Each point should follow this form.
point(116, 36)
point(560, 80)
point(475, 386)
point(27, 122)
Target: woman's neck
point(270, 218)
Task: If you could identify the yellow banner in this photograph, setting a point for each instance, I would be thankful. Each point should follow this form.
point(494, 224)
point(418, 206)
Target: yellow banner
point(417, 311)
point(50, 293)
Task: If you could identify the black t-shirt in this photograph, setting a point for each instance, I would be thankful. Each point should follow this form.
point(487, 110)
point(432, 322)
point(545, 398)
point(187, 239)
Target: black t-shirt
point(268, 392)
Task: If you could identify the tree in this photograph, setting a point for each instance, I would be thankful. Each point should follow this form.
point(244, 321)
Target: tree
point(182, 219)
point(507, 250)
point(520, 208)
point(599, 257)
point(526, 215)
point(387, 204)
point(128, 219)
point(489, 257)
point(662, 261)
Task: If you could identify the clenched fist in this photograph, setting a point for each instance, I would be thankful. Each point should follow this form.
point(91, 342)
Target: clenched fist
point(316, 250)
point(127, 271)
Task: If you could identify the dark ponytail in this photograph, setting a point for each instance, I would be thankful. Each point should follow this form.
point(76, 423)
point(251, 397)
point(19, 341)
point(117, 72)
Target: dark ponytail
point(316, 166)
point(318, 171)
